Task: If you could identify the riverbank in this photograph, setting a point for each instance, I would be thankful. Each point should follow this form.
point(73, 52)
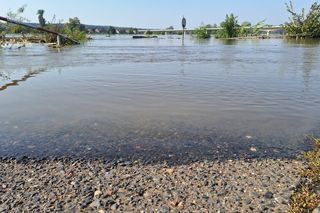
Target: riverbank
point(90, 186)
point(307, 197)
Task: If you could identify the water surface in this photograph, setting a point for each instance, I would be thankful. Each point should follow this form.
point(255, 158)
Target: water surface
point(118, 97)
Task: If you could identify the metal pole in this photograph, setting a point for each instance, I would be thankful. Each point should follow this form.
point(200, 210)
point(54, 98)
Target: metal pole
point(183, 37)
point(58, 41)
point(184, 24)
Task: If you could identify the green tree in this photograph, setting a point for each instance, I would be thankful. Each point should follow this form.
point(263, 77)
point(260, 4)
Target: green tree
point(229, 27)
point(42, 20)
point(75, 30)
point(131, 31)
point(148, 32)
point(202, 33)
point(112, 30)
point(302, 25)
point(75, 24)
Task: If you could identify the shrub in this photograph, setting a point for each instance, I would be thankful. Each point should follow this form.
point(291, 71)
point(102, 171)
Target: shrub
point(202, 33)
point(302, 25)
point(229, 27)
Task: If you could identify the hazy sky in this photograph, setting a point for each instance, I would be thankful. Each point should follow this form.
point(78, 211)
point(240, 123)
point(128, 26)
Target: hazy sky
point(155, 13)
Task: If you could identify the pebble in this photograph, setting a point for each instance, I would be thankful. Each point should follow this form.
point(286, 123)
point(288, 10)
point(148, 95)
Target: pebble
point(114, 207)
point(268, 195)
point(164, 209)
point(253, 149)
point(97, 193)
point(317, 210)
point(207, 186)
point(95, 204)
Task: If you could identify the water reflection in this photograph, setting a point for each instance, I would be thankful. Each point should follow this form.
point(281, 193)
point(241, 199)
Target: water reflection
point(228, 41)
point(305, 42)
point(310, 56)
point(6, 76)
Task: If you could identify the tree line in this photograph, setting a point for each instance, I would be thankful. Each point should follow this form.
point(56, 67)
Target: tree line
point(301, 25)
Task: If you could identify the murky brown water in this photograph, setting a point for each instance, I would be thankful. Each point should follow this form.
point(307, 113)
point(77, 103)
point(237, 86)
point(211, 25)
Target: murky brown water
point(119, 97)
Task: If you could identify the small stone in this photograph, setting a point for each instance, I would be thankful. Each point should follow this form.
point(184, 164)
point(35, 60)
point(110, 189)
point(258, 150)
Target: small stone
point(2, 209)
point(317, 210)
point(268, 195)
point(174, 203)
point(253, 149)
point(95, 204)
point(52, 195)
point(97, 193)
point(164, 209)
point(169, 171)
point(109, 192)
point(146, 195)
point(114, 207)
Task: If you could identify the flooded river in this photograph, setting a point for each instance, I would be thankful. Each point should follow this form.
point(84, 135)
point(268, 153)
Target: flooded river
point(154, 98)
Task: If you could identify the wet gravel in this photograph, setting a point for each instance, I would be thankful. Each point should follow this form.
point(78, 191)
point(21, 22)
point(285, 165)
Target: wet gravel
point(67, 185)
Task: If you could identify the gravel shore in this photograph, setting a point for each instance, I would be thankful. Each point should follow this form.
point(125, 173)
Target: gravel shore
point(95, 186)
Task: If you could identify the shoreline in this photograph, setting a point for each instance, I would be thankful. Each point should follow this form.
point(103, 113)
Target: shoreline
point(97, 186)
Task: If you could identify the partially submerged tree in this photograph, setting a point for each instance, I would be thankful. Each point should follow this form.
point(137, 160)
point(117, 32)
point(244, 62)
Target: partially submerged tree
point(42, 20)
point(131, 31)
point(302, 25)
point(229, 27)
point(202, 33)
point(75, 30)
point(112, 30)
point(74, 24)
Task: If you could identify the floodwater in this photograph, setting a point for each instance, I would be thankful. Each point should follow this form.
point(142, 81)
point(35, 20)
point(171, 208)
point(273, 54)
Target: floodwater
point(156, 99)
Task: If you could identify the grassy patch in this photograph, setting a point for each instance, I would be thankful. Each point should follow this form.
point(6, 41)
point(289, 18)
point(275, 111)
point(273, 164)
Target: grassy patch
point(306, 198)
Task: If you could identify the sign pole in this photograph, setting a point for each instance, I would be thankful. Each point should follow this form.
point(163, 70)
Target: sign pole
point(184, 24)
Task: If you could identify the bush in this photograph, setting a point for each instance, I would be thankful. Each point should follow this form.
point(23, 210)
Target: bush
point(301, 25)
point(77, 35)
point(75, 30)
point(148, 33)
point(230, 27)
point(202, 33)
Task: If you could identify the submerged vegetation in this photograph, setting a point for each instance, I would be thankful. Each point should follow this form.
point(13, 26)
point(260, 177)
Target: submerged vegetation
point(202, 33)
point(75, 30)
point(72, 29)
point(232, 29)
point(307, 198)
point(303, 25)
point(229, 27)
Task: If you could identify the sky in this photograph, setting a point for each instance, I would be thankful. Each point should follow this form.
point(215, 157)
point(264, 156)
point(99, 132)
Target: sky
point(156, 13)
